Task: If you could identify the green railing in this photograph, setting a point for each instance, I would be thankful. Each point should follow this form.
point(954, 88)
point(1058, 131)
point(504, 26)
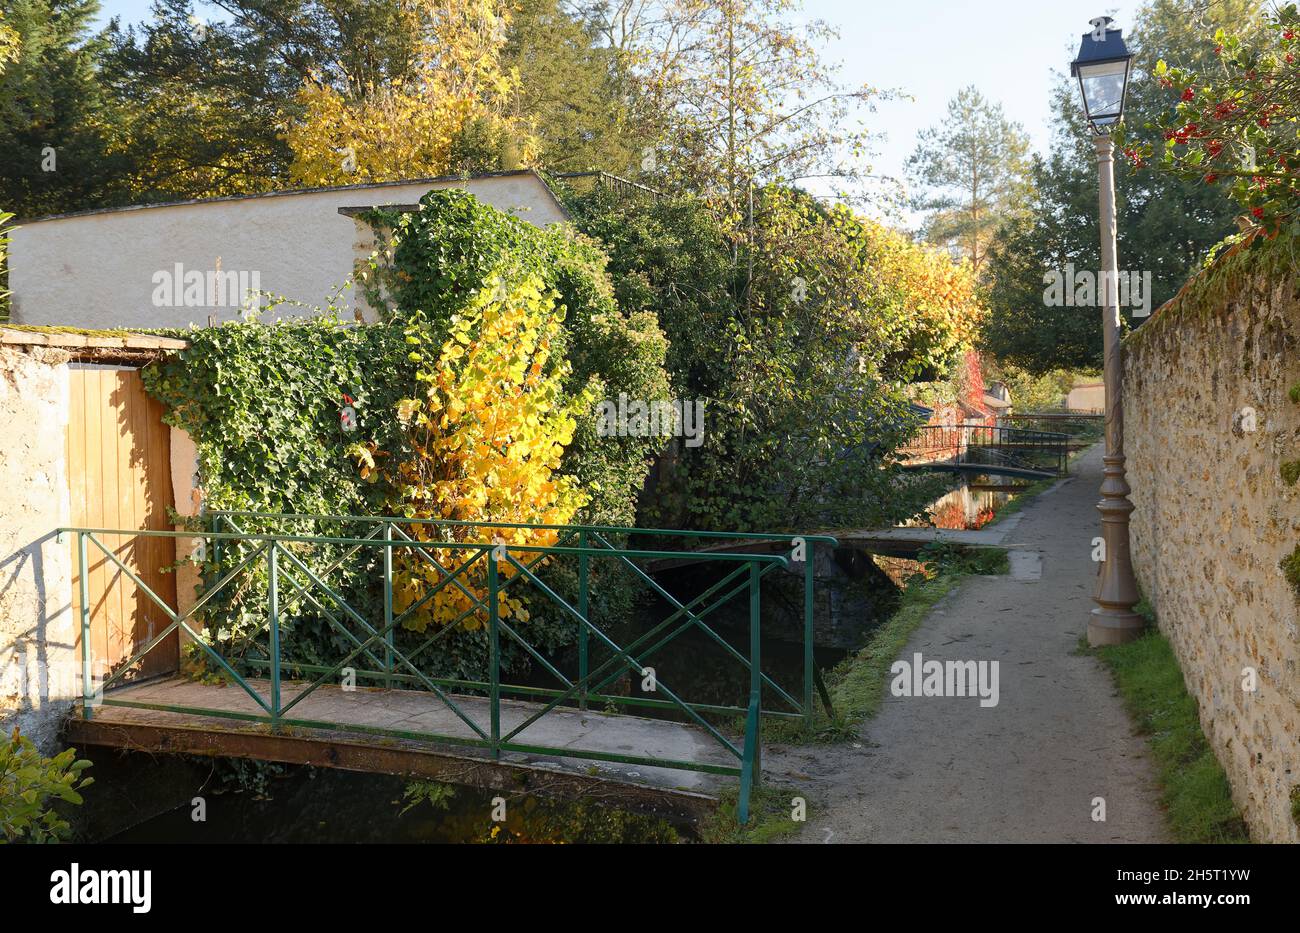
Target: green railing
point(374, 641)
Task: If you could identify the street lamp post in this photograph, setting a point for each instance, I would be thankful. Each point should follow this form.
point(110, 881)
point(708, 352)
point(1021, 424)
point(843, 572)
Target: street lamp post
point(1103, 67)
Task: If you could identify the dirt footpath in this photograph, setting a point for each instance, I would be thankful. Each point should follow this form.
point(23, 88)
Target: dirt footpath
point(1028, 769)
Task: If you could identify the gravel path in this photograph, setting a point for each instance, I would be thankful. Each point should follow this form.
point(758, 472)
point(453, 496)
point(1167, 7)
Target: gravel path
point(946, 769)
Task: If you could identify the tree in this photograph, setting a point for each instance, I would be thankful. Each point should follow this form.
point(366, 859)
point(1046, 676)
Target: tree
point(568, 92)
point(368, 42)
point(729, 93)
point(801, 362)
point(971, 172)
point(8, 43)
point(1166, 224)
point(302, 92)
point(1023, 329)
point(198, 104)
point(445, 108)
point(54, 118)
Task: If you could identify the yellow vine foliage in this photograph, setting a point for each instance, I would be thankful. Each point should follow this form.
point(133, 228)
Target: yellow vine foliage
point(485, 442)
point(8, 43)
point(407, 128)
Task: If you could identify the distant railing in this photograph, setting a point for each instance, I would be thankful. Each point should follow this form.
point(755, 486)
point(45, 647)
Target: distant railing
point(606, 180)
point(374, 654)
point(996, 447)
point(936, 442)
point(1081, 424)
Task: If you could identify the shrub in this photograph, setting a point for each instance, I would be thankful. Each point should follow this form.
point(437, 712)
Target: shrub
point(29, 783)
point(798, 334)
point(1237, 125)
point(484, 436)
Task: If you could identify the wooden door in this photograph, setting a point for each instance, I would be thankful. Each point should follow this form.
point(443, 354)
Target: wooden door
point(119, 477)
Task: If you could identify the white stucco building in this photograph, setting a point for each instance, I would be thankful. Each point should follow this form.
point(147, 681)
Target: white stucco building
point(170, 265)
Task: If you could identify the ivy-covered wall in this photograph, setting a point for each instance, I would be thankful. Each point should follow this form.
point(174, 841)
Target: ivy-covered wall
point(264, 404)
point(1211, 425)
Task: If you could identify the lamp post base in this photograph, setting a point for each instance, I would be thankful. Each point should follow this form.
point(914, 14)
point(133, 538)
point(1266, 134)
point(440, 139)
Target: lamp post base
point(1114, 627)
point(1114, 622)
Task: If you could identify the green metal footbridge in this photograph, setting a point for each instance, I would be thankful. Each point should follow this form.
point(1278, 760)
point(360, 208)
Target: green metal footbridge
point(977, 449)
point(373, 703)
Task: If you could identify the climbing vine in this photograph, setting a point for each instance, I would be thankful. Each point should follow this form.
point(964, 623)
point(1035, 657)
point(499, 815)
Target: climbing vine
point(436, 262)
point(472, 400)
point(483, 442)
point(516, 336)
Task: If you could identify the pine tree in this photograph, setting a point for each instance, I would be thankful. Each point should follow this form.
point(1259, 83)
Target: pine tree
point(971, 172)
point(53, 115)
point(568, 89)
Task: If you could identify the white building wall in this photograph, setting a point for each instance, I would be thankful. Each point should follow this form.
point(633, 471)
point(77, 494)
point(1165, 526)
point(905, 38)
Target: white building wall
point(97, 270)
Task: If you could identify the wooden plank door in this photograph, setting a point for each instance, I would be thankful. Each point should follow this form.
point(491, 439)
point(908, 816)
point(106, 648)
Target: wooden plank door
point(119, 476)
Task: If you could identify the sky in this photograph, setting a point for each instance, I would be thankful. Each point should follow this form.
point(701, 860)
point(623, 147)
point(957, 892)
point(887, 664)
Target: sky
point(928, 49)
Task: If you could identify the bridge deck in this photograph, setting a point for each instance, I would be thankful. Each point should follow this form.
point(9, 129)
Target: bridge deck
point(352, 747)
point(978, 469)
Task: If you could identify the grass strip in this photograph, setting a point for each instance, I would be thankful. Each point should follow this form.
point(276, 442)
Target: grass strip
point(1195, 793)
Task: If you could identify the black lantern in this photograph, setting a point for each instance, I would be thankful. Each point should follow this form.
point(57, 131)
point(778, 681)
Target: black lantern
point(1103, 67)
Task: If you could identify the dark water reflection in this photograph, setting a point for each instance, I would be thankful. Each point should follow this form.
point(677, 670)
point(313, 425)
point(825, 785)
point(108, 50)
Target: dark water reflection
point(325, 806)
point(973, 504)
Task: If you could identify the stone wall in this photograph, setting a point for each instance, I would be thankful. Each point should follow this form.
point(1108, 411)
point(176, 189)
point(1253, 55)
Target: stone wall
point(40, 661)
point(39, 668)
point(1208, 424)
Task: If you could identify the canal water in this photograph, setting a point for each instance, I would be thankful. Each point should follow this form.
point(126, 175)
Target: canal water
point(973, 504)
point(860, 594)
point(307, 805)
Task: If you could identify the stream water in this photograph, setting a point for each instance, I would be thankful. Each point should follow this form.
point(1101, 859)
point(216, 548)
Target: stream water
point(973, 504)
point(303, 804)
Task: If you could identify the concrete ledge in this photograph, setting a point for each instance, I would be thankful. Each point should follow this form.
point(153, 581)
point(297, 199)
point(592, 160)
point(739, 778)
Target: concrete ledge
point(93, 347)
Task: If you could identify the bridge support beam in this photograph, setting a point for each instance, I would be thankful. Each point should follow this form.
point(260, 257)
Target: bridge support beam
point(1113, 621)
point(349, 753)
